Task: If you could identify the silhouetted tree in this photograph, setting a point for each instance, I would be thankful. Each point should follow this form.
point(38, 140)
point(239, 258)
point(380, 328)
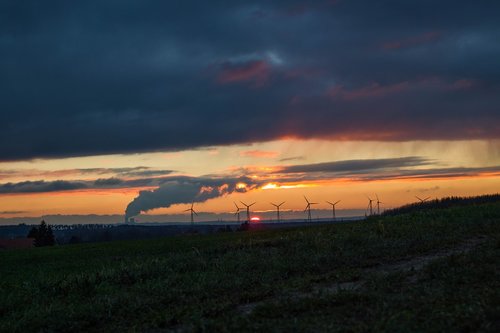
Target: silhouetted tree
point(43, 235)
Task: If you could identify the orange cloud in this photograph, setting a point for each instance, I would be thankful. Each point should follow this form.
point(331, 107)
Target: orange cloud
point(257, 71)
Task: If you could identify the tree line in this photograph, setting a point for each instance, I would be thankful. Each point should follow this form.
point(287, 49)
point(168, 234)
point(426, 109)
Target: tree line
point(447, 202)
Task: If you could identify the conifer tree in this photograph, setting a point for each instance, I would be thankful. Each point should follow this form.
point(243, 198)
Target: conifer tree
point(43, 235)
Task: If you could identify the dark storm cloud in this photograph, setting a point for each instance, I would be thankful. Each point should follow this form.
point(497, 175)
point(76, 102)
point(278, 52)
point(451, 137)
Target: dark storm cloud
point(410, 167)
point(42, 186)
point(96, 77)
point(389, 173)
point(353, 166)
point(140, 171)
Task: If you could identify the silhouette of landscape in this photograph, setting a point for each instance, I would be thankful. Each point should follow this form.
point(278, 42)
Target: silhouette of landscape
point(378, 274)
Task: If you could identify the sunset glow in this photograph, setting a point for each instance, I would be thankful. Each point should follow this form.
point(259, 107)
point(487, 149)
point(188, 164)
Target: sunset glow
point(469, 168)
point(232, 109)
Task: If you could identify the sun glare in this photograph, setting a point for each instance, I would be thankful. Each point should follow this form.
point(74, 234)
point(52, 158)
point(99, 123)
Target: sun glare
point(269, 186)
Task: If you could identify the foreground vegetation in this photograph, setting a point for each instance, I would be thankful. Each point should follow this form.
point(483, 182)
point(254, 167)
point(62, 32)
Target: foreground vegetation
point(428, 270)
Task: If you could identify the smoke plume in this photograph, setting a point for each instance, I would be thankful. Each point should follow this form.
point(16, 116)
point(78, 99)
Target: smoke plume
point(179, 190)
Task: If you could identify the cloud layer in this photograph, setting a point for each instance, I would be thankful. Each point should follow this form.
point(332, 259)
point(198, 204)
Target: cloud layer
point(167, 190)
point(107, 76)
point(186, 189)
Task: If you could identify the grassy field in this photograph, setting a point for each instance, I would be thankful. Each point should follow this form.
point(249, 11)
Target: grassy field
point(432, 270)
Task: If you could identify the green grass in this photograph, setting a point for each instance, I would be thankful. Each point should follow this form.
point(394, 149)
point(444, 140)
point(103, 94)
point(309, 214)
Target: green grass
point(202, 283)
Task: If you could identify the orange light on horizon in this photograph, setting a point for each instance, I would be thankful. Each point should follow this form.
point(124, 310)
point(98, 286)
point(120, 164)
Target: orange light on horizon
point(255, 219)
point(269, 186)
point(273, 186)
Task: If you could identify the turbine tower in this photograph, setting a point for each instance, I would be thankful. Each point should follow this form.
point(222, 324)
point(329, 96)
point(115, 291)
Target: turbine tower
point(422, 200)
point(378, 205)
point(237, 212)
point(248, 210)
point(277, 209)
point(333, 208)
point(308, 208)
point(370, 205)
point(192, 213)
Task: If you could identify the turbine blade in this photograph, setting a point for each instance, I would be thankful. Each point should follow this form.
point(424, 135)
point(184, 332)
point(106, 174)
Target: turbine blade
point(252, 204)
point(330, 203)
point(306, 199)
point(337, 202)
point(281, 203)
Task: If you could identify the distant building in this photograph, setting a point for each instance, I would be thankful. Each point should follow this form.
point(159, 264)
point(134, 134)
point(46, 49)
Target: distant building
point(17, 243)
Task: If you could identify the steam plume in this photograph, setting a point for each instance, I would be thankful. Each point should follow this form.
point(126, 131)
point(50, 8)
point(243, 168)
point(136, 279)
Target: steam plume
point(178, 190)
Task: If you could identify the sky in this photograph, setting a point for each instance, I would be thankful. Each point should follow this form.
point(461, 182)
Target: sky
point(131, 108)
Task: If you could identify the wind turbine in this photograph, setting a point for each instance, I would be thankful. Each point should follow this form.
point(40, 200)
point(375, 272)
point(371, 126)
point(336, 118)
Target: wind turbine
point(370, 206)
point(308, 208)
point(237, 211)
point(192, 212)
point(277, 209)
point(378, 205)
point(422, 200)
point(333, 208)
point(248, 210)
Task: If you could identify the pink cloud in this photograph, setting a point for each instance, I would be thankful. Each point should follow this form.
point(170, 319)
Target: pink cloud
point(425, 38)
point(259, 154)
point(462, 84)
point(254, 71)
point(376, 90)
point(373, 90)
